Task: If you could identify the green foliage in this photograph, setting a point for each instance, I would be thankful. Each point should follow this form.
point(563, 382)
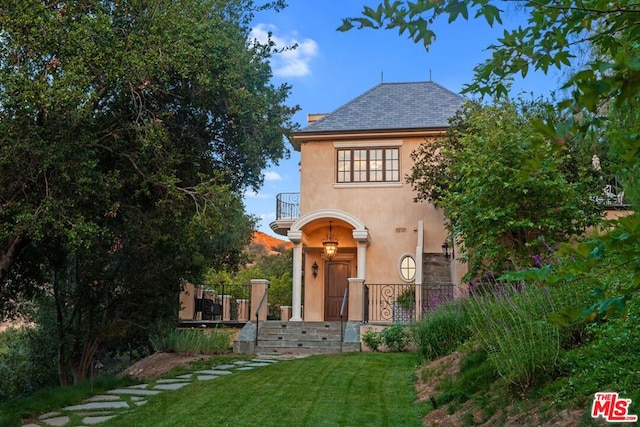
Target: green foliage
point(441, 331)
point(192, 341)
point(547, 40)
point(477, 375)
point(407, 299)
point(507, 191)
point(606, 361)
point(128, 134)
point(372, 339)
point(45, 400)
point(511, 326)
point(395, 337)
point(25, 361)
point(274, 267)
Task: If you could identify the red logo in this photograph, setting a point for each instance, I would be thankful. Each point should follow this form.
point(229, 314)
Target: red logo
point(612, 408)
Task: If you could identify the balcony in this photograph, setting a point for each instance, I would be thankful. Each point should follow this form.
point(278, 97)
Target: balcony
point(287, 212)
point(612, 197)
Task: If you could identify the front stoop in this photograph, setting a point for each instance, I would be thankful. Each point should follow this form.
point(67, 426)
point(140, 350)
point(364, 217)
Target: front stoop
point(277, 337)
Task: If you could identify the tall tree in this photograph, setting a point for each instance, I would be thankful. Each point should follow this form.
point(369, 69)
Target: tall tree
point(508, 193)
point(128, 131)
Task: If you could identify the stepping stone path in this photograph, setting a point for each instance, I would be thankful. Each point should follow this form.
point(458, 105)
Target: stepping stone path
point(103, 407)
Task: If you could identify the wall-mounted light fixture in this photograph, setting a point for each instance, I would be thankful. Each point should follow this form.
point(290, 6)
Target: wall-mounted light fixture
point(446, 246)
point(314, 269)
point(330, 244)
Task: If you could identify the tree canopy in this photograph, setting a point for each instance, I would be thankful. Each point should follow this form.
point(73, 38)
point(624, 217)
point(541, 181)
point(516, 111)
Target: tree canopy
point(128, 133)
point(508, 193)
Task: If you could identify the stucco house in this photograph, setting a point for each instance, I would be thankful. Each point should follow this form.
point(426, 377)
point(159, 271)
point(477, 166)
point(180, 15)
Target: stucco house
point(355, 224)
point(365, 255)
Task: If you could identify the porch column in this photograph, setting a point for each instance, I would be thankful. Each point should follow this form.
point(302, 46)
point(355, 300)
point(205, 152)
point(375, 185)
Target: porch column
point(419, 252)
point(362, 237)
point(296, 291)
point(356, 288)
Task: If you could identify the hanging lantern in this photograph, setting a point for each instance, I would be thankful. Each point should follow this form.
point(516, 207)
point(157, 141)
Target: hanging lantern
point(330, 243)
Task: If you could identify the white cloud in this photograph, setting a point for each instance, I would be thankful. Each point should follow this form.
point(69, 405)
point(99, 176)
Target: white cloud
point(272, 176)
point(290, 63)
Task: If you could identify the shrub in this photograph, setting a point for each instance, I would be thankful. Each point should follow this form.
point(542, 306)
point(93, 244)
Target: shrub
point(441, 331)
point(511, 326)
point(607, 360)
point(193, 341)
point(372, 340)
point(395, 337)
point(407, 299)
point(26, 356)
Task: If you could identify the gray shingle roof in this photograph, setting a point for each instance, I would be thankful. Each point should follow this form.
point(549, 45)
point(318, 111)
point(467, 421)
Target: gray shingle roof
point(392, 106)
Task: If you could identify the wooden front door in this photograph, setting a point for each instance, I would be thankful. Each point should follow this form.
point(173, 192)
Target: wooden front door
point(335, 283)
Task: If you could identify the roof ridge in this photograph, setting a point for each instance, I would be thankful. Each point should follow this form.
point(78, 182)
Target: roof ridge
point(422, 82)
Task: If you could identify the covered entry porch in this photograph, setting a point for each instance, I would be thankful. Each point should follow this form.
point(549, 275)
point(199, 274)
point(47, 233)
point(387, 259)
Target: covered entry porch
point(321, 276)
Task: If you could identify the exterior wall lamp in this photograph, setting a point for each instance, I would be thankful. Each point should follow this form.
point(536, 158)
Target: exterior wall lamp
point(314, 269)
point(445, 249)
point(330, 244)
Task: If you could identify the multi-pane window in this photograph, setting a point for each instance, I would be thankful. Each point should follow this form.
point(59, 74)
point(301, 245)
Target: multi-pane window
point(368, 165)
point(407, 268)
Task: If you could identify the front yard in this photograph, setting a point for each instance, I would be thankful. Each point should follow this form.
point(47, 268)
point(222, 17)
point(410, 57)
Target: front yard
point(357, 389)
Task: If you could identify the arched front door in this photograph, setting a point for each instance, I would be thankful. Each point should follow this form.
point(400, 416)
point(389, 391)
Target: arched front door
point(337, 273)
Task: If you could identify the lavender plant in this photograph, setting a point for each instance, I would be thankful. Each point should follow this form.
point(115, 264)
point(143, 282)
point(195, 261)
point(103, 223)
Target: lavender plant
point(441, 331)
point(510, 323)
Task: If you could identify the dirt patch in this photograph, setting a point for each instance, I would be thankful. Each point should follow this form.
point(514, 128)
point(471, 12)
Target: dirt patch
point(159, 364)
point(431, 375)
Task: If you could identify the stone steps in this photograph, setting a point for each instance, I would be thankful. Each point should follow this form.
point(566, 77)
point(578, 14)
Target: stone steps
point(302, 338)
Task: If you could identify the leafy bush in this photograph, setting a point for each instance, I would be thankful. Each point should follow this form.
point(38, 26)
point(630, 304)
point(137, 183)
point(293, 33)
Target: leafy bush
point(193, 341)
point(372, 340)
point(441, 331)
point(608, 360)
point(407, 299)
point(511, 325)
point(26, 362)
point(395, 337)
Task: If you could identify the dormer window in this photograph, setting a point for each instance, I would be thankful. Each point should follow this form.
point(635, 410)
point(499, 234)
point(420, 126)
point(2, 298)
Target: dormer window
point(379, 164)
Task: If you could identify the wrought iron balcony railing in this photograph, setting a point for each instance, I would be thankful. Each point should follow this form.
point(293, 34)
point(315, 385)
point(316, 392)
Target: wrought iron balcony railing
point(612, 196)
point(287, 205)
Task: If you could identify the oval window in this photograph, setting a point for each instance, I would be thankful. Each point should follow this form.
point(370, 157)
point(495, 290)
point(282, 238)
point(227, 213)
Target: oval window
point(407, 268)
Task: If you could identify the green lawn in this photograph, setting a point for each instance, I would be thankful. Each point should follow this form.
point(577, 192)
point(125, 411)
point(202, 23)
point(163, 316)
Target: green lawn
point(357, 389)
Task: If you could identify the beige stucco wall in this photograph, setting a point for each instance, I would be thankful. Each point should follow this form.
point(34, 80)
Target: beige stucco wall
point(389, 213)
point(387, 210)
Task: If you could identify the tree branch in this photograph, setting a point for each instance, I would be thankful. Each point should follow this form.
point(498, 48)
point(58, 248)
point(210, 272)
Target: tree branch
point(10, 252)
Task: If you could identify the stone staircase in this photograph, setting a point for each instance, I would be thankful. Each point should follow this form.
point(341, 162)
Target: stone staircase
point(276, 337)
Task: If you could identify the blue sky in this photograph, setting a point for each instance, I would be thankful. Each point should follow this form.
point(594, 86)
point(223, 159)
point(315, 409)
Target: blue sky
point(329, 68)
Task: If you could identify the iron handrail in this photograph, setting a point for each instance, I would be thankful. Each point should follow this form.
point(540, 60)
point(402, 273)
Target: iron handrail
point(365, 303)
point(264, 298)
point(344, 303)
